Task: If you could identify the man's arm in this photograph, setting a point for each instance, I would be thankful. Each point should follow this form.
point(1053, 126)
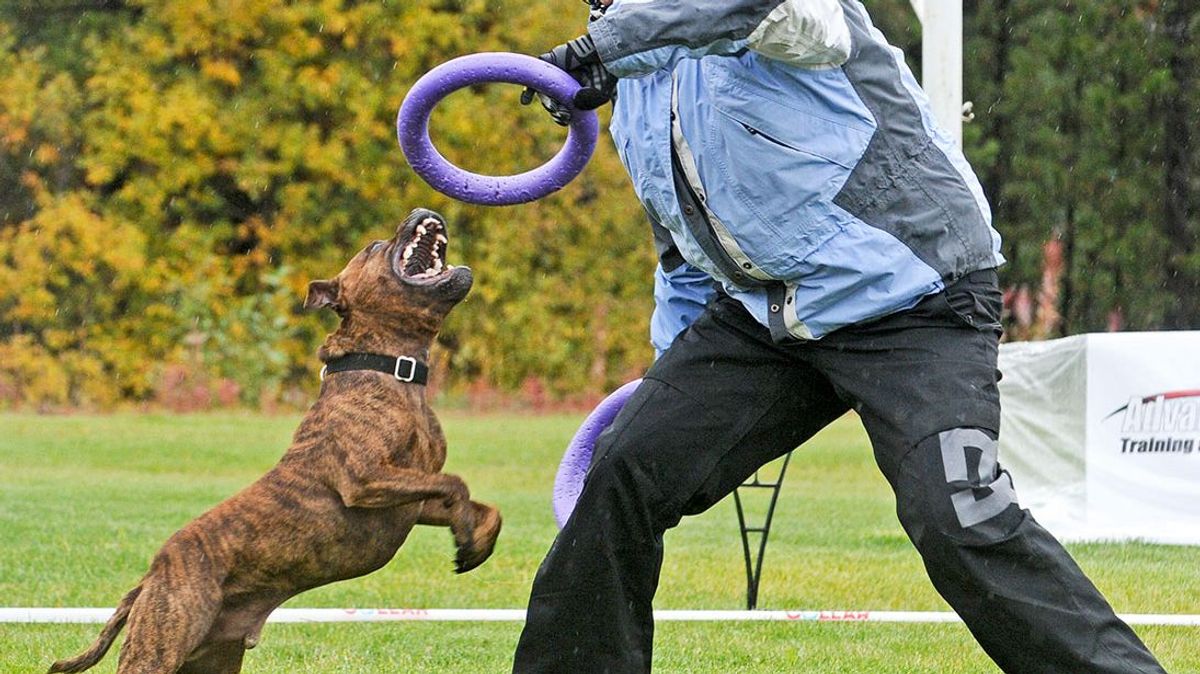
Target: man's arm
point(637, 37)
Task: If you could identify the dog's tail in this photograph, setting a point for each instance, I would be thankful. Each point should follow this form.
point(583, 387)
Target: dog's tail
point(108, 635)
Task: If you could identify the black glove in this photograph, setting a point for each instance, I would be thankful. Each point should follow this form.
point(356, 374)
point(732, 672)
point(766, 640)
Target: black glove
point(579, 58)
point(598, 10)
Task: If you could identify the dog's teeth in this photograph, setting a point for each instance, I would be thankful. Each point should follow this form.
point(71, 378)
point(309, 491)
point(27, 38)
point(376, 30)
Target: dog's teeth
point(441, 238)
point(421, 229)
point(408, 253)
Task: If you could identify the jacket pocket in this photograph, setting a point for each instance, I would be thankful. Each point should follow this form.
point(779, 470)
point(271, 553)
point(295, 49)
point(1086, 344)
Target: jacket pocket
point(785, 189)
point(795, 132)
point(976, 300)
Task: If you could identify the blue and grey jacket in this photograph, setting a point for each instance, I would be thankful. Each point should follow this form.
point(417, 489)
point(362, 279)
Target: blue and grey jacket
point(785, 150)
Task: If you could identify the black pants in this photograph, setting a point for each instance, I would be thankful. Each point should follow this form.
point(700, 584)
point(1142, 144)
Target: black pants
point(724, 400)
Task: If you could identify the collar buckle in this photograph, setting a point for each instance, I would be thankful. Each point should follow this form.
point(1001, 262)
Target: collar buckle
point(412, 369)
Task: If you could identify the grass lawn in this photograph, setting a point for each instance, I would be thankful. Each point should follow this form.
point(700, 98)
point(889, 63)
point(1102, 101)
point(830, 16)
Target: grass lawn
point(85, 502)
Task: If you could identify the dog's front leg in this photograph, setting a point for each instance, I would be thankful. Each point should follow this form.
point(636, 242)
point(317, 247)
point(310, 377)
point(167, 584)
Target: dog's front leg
point(475, 529)
point(389, 486)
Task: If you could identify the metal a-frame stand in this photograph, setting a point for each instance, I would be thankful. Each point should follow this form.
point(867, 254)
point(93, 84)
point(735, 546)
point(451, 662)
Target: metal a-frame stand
point(754, 562)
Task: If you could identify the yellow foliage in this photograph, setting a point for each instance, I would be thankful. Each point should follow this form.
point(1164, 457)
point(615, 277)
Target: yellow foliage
point(214, 157)
point(220, 70)
point(32, 375)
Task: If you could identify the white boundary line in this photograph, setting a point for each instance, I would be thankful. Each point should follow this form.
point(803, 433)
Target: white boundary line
point(371, 615)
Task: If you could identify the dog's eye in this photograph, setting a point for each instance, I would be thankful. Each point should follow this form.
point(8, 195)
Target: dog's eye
point(376, 246)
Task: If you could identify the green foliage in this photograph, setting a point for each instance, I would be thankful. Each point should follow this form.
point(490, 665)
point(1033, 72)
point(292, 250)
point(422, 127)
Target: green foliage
point(244, 338)
point(1071, 141)
point(172, 174)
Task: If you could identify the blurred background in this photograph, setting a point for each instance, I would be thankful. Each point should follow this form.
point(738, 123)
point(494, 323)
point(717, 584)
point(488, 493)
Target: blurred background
point(172, 174)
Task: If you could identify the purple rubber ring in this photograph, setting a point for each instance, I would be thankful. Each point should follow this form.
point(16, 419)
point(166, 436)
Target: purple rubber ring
point(573, 469)
point(412, 128)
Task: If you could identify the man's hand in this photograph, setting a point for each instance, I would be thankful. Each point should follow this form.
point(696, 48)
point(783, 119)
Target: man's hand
point(579, 59)
point(598, 8)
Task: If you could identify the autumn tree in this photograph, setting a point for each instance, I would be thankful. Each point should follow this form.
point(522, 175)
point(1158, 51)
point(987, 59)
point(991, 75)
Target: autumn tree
point(235, 151)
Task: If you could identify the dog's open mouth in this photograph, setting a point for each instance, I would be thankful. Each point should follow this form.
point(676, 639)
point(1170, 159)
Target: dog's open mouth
point(421, 252)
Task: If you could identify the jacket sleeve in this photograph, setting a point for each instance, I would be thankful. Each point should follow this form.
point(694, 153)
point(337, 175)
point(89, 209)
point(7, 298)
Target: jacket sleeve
point(637, 37)
point(680, 292)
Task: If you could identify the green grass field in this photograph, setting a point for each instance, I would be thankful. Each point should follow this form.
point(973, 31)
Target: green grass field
point(86, 501)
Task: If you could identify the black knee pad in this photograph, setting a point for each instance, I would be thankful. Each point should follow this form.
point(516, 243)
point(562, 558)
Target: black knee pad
point(950, 486)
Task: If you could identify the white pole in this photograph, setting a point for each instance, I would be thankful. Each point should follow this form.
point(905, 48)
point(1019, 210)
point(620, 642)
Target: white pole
point(374, 615)
point(942, 59)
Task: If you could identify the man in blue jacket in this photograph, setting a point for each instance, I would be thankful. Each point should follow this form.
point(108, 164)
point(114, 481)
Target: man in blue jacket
point(824, 246)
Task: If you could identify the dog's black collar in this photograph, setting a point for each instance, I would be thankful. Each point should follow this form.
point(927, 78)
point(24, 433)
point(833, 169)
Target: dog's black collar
point(404, 368)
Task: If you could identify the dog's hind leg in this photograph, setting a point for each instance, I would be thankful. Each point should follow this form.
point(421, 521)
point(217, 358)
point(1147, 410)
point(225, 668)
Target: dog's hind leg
point(217, 658)
point(475, 527)
point(169, 620)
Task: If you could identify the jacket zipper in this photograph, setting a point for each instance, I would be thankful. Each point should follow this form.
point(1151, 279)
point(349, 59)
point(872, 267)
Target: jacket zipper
point(716, 240)
point(755, 132)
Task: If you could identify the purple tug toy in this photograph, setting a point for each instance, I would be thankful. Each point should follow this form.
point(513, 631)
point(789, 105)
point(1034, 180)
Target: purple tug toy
point(412, 128)
point(573, 469)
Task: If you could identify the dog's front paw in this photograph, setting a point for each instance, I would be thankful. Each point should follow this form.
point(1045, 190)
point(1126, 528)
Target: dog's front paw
point(482, 542)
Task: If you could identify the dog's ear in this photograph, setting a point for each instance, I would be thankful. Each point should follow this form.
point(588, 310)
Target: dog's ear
point(323, 294)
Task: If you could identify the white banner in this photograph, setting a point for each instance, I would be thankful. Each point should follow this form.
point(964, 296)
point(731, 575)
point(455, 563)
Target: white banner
point(1102, 434)
point(1143, 433)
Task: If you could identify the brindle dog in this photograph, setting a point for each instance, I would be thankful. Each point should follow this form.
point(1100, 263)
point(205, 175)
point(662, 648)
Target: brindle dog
point(363, 468)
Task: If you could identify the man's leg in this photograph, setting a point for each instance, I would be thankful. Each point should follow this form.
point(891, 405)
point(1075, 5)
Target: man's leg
point(720, 403)
point(924, 383)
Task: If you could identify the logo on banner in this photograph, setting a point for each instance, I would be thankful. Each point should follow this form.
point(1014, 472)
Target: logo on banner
point(1163, 423)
